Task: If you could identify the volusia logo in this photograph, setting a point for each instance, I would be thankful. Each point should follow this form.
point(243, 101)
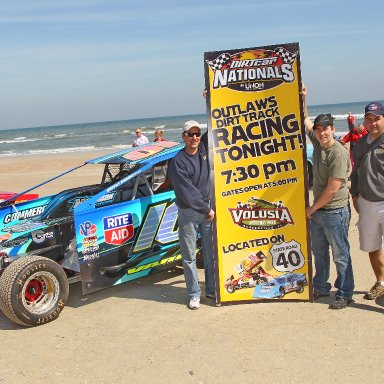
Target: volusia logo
point(253, 70)
point(261, 215)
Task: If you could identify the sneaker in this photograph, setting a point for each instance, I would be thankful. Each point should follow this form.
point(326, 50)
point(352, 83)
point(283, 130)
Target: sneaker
point(194, 303)
point(376, 291)
point(318, 295)
point(210, 296)
point(341, 302)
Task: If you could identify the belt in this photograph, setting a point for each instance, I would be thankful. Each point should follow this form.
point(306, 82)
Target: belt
point(329, 209)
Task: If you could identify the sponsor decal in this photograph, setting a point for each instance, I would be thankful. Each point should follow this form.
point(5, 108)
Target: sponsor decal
point(118, 229)
point(15, 242)
point(56, 221)
point(87, 228)
point(90, 245)
point(108, 198)
point(154, 264)
point(261, 215)
point(91, 256)
point(40, 236)
point(24, 214)
point(76, 202)
point(253, 70)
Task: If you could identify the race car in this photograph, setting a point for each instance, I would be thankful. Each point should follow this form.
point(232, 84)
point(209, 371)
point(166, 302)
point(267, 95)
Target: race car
point(280, 286)
point(250, 273)
point(103, 234)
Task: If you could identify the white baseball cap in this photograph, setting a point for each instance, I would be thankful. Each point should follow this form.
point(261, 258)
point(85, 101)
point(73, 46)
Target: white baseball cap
point(191, 124)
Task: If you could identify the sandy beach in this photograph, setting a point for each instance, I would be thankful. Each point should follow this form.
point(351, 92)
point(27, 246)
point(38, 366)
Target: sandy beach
point(142, 332)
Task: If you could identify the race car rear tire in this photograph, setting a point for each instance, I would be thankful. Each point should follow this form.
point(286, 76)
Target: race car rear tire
point(33, 290)
point(282, 292)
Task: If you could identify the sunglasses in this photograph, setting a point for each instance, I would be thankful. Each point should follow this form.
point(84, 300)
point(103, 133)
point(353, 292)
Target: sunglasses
point(191, 134)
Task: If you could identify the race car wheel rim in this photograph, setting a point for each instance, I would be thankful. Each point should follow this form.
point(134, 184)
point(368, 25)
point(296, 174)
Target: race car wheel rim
point(40, 292)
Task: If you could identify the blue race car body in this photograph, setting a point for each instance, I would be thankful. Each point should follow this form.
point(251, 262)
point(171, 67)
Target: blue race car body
point(309, 152)
point(102, 234)
point(280, 286)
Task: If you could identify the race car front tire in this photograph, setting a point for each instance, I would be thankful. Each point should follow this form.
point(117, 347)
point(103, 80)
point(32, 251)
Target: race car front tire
point(33, 291)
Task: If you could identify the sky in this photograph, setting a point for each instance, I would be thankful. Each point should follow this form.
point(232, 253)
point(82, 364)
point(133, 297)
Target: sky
point(77, 61)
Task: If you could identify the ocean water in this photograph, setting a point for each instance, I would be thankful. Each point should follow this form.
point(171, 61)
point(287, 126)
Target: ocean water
point(116, 135)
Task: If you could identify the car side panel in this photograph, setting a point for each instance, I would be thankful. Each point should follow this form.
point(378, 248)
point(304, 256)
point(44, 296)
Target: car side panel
point(126, 241)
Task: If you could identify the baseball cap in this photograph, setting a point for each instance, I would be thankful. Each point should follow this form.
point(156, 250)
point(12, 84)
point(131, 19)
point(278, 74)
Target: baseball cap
point(323, 120)
point(191, 124)
point(375, 108)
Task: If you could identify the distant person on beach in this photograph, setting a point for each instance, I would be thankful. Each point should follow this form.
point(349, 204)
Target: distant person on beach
point(351, 121)
point(189, 173)
point(330, 212)
point(352, 136)
point(367, 190)
point(159, 135)
point(140, 139)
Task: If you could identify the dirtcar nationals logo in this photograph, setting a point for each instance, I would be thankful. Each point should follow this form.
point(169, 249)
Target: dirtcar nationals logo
point(261, 215)
point(253, 70)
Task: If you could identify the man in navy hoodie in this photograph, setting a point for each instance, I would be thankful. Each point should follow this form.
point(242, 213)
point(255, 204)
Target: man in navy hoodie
point(190, 178)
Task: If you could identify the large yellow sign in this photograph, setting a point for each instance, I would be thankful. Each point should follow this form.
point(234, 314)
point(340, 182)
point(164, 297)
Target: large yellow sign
point(260, 185)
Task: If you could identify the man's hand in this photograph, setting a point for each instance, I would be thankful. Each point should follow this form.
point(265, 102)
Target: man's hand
point(211, 215)
point(304, 91)
point(310, 211)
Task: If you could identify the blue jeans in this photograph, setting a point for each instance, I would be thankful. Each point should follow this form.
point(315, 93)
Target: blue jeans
point(191, 224)
point(330, 228)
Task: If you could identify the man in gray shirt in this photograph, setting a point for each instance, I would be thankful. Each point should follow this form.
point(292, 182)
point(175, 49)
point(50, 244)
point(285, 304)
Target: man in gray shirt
point(330, 213)
point(367, 190)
